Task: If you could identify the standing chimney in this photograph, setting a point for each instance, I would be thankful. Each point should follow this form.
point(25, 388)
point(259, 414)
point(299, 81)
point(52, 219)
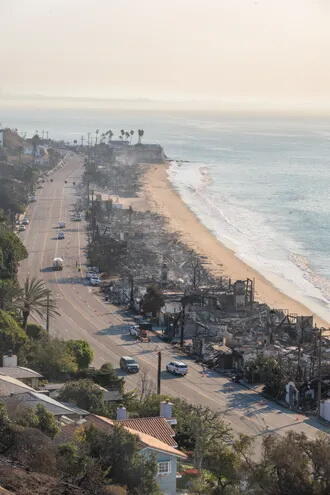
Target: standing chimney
point(9, 360)
point(121, 413)
point(166, 410)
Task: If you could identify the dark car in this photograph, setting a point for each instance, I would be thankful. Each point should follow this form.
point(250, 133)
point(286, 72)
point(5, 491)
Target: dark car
point(129, 364)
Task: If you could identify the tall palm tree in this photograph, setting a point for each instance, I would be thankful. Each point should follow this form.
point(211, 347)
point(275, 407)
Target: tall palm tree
point(132, 134)
point(127, 135)
point(140, 133)
point(110, 134)
point(36, 298)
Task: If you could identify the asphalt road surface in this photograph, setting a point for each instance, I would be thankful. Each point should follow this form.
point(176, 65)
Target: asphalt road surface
point(85, 315)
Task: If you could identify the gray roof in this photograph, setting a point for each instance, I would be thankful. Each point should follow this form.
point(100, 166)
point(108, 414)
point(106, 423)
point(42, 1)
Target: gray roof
point(112, 395)
point(32, 399)
point(11, 386)
point(19, 372)
point(50, 387)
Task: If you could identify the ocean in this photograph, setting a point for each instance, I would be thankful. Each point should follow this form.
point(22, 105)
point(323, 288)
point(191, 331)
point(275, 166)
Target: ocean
point(261, 184)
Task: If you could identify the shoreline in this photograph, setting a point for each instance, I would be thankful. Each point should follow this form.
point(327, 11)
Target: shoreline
point(159, 195)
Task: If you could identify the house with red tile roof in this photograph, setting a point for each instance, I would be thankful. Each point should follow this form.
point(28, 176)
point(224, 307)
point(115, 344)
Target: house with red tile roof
point(166, 455)
point(155, 426)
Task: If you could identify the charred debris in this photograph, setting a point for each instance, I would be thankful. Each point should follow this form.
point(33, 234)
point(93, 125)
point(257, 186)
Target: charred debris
point(213, 318)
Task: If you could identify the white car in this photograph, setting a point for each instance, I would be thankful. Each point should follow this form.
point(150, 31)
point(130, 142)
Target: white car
point(134, 330)
point(60, 235)
point(90, 274)
point(177, 368)
point(61, 225)
point(95, 281)
point(25, 221)
point(21, 228)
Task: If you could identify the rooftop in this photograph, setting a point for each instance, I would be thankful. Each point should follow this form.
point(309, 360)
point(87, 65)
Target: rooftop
point(11, 386)
point(19, 372)
point(32, 399)
point(145, 440)
point(156, 427)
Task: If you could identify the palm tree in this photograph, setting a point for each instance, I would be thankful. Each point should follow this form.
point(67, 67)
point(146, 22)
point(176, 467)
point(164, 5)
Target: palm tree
point(96, 133)
point(110, 134)
point(132, 134)
point(36, 298)
point(127, 135)
point(140, 133)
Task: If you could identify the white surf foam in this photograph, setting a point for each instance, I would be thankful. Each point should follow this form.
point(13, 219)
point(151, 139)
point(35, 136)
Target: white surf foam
point(252, 239)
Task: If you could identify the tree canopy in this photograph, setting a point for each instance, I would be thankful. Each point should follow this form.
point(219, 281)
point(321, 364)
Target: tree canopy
point(12, 251)
point(12, 335)
point(51, 357)
point(85, 394)
point(152, 301)
point(82, 352)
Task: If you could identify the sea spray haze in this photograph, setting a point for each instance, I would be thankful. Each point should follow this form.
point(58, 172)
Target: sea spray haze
point(261, 184)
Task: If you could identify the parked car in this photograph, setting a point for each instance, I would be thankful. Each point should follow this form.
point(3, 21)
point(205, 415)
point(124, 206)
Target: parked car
point(25, 221)
point(21, 228)
point(61, 225)
point(129, 364)
point(95, 281)
point(177, 368)
point(90, 274)
point(60, 235)
point(134, 330)
point(57, 264)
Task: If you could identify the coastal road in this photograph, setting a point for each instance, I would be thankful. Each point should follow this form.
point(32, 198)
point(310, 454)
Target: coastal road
point(84, 315)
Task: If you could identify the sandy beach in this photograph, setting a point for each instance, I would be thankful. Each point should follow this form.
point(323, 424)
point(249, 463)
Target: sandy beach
point(159, 196)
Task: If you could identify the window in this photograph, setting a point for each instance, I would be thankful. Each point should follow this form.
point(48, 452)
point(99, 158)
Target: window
point(164, 467)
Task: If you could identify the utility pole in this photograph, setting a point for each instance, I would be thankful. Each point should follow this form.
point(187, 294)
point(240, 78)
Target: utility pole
point(88, 193)
point(47, 314)
point(159, 371)
point(183, 314)
point(319, 385)
point(131, 282)
point(93, 217)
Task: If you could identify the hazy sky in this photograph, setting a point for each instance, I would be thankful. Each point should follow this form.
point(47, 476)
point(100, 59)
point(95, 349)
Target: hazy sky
point(234, 52)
